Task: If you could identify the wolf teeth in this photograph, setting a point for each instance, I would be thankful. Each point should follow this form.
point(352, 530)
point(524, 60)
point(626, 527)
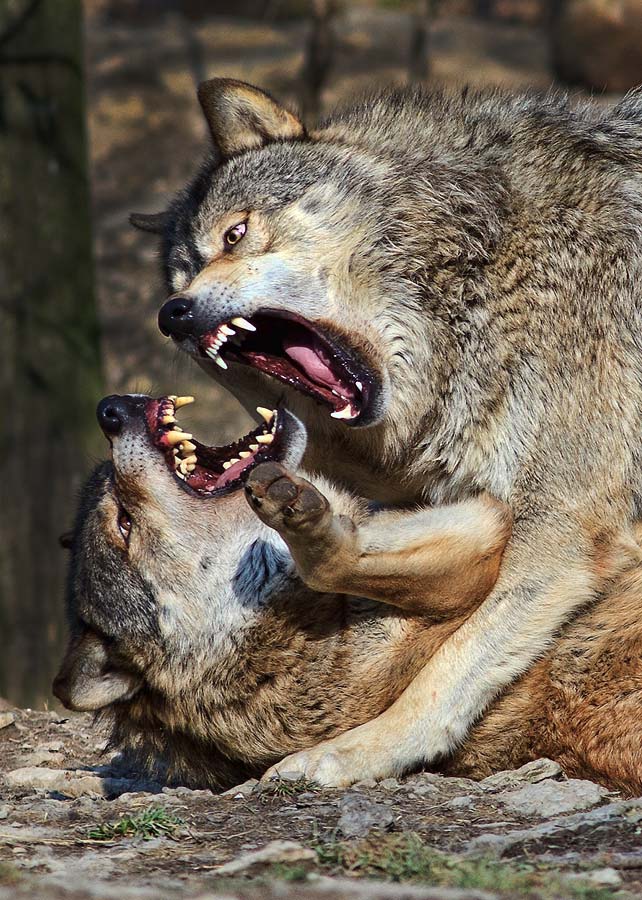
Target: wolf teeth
point(176, 437)
point(245, 454)
point(188, 445)
point(182, 401)
point(212, 352)
point(254, 447)
point(345, 413)
point(267, 414)
point(240, 322)
point(168, 419)
point(265, 438)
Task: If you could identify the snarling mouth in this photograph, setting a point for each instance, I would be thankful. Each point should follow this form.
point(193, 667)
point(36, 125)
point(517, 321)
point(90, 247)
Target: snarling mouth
point(298, 353)
point(210, 470)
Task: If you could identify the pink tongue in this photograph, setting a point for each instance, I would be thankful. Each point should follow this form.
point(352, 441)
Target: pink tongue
point(233, 471)
point(312, 360)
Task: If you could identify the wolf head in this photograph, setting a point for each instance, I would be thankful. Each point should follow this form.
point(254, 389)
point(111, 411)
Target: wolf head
point(169, 565)
point(408, 275)
point(340, 266)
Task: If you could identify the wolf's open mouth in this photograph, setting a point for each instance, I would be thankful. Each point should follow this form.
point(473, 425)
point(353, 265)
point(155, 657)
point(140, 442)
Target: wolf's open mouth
point(298, 353)
point(208, 470)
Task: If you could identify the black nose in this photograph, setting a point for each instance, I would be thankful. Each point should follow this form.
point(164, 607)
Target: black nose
point(176, 317)
point(112, 413)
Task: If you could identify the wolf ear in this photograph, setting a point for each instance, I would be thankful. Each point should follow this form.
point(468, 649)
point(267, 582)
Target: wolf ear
point(86, 681)
point(241, 117)
point(155, 223)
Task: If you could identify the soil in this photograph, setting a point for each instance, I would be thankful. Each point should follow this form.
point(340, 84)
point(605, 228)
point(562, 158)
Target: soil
point(56, 842)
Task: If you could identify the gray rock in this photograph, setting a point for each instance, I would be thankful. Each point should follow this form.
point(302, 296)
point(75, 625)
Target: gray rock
point(608, 877)
point(365, 785)
point(531, 773)
point(552, 798)
point(359, 815)
point(69, 782)
point(4, 811)
point(389, 784)
point(463, 802)
point(241, 790)
point(274, 852)
point(7, 718)
point(498, 844)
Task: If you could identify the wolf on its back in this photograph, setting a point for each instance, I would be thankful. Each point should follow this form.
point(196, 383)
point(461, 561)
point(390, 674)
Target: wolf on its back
point(449, 286)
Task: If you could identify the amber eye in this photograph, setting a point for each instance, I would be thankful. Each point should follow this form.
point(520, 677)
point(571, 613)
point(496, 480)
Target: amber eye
point(124, 525)
point(235, 234)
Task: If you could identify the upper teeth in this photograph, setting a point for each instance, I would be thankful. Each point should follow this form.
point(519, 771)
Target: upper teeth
point(240, 322)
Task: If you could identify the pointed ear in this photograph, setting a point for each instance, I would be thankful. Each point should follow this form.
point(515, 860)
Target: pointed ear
point(242, 117)
point(155, 223)
point(86, 681)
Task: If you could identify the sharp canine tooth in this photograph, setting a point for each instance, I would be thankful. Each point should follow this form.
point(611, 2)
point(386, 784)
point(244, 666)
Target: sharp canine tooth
point(266, 413)
point(182, 401)
point(220, 362)
point(254, 447)
point(240, 322)
point(175, 437)
point(244, 454)
point(227, 330)
point(359, 386)
point(265, 438)
point(345, 413)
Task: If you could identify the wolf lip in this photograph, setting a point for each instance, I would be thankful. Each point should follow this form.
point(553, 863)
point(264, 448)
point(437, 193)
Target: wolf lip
point(296, 352)
point(205, 470)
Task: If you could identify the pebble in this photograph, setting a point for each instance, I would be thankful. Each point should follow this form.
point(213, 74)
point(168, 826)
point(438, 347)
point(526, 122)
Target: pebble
point(6, 719)
point(552, 798)
point(359, 815)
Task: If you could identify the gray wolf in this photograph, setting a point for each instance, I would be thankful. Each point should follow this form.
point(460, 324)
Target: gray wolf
point(195, 626)
point(447, 289)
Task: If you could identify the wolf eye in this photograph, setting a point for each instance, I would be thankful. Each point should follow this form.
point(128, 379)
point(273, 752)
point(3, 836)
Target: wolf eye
point(234, 234)
point(124, 525)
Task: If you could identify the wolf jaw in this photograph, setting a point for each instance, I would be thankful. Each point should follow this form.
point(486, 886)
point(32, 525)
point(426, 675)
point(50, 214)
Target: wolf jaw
point(299, 353)
point(207, 470)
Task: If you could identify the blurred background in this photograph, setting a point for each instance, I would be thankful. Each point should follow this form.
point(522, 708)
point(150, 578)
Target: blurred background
point(98, 118)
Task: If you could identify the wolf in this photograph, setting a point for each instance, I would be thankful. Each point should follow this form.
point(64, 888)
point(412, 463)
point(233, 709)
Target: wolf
point(446, 289)
point(195, 625)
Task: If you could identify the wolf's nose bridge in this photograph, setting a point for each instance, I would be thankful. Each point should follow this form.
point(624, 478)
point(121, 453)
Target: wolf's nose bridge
point(176, 317)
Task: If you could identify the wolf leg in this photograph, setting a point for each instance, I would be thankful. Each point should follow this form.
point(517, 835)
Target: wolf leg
point(432, 562)
point(516, 623)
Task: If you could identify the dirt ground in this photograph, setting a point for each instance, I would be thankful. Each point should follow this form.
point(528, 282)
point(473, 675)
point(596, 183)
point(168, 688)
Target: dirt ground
point(75, 823)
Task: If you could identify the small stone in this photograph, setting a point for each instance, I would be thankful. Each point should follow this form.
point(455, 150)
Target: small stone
point(608, 877)
point(359, 815)
point(68, 782)
point(551, 798)
point(463, 802)
point(4, 811)
point(274, 852)
point(365, 785)
point(241, 790)
point(6, 719)
point(530, 773)
point(389, 784)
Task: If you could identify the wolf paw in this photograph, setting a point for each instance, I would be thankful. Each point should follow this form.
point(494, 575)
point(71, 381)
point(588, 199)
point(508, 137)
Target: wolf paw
point(339, 762)
point(283, 501)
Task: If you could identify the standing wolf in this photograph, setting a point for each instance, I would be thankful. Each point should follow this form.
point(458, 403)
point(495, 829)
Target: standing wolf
point(449, 287)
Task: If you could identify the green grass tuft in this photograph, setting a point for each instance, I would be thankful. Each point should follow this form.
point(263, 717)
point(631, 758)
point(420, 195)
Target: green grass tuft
point(155, 821)
point(405, 858)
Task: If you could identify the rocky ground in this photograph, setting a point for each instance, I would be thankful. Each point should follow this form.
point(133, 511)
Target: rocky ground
point(74, 823)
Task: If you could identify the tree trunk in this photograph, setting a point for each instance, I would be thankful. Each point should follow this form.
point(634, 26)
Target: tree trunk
point(49, 342)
